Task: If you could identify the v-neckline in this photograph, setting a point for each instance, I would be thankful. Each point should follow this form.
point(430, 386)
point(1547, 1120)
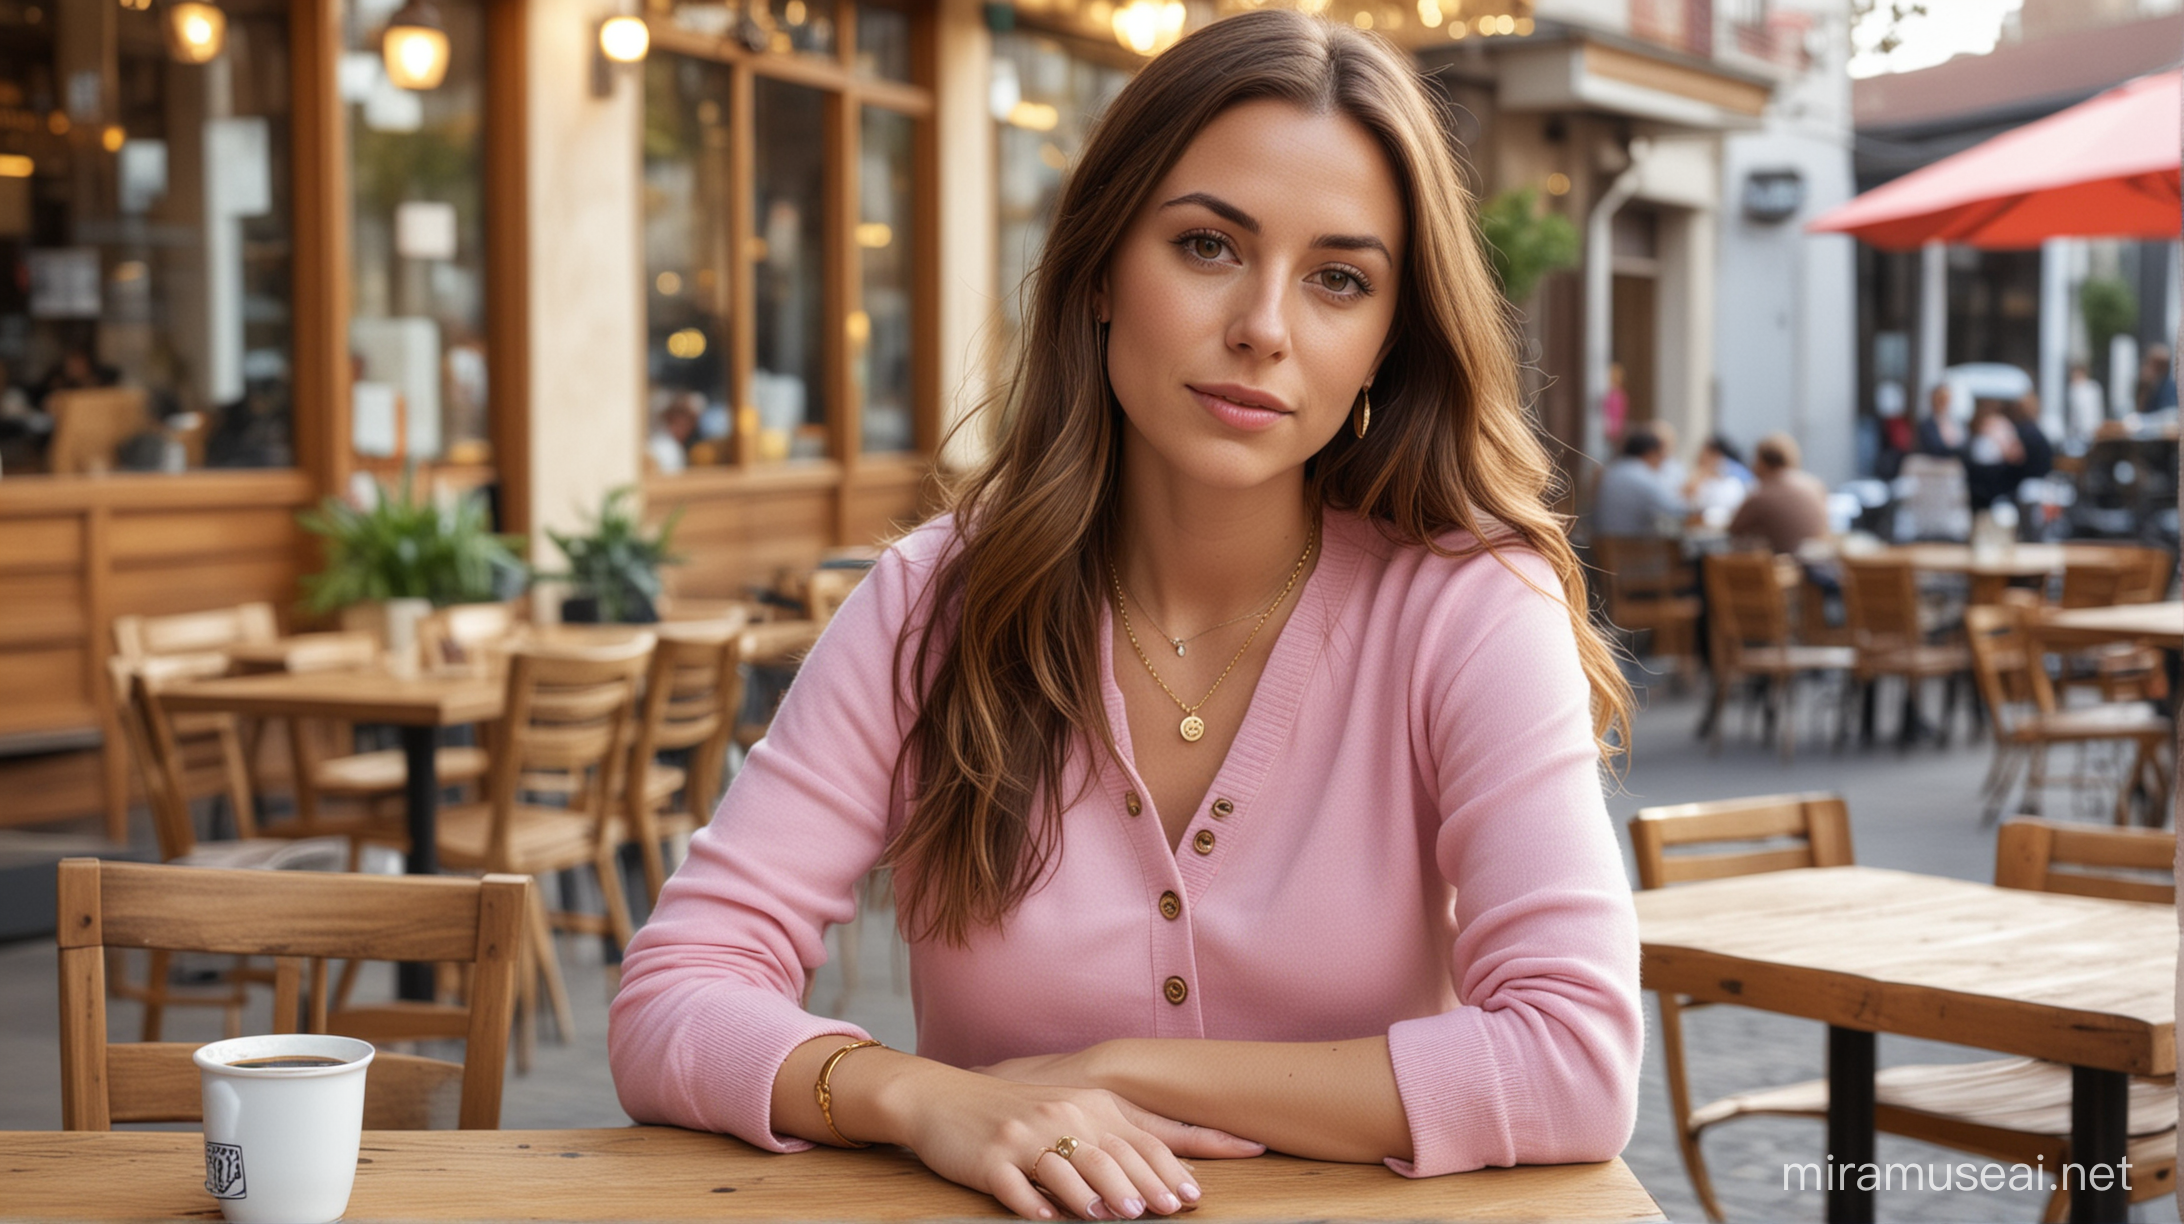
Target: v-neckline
point(1271, 714)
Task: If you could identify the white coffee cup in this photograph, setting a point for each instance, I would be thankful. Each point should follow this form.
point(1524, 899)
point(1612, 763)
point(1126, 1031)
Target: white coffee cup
point(281, 1141)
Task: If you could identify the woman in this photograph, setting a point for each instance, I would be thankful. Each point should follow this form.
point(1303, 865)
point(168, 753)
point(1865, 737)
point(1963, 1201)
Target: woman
point(1234, 743)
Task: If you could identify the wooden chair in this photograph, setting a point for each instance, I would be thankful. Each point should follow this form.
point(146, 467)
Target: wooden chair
point(1881, 601)
point(151, 742)
point(1649, 590)
point(1742, 837)
point(2028, 719)
point(1749, 628)
point(570, 712)
point(301, 922)
point(91, 423)
point(2013, 1110)
point(219, 749)
point(2118, 671)
point(326, 769)
point(693, 692)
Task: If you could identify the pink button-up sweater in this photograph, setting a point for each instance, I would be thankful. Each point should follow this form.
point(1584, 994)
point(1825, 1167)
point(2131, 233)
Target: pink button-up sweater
point(1414, 844)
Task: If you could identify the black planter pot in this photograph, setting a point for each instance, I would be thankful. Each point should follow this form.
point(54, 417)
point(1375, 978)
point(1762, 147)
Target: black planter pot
point(584, 610)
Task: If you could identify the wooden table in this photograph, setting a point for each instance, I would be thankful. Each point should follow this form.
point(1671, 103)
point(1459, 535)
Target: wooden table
point(2077, 980)
point(418, 706)
point(666, 1174)
point(2015, 561)
point(2160, 624)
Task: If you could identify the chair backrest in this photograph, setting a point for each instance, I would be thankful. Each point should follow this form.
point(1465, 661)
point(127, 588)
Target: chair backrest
point(693, 688)
point(1881, 602)
point(301, 919)
point(570, 711)
point(1745, 600)
point(2156, 571)
point(2101, 583)
point(827, 587)
point(1782, 832)
point(91, 423)
point(1640, 568)
point(160, 754)
point(2087, 860)
point(194, 633)
point(2005, 661)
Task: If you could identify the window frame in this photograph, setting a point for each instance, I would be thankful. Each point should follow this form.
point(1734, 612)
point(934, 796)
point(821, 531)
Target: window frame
point(847, 92)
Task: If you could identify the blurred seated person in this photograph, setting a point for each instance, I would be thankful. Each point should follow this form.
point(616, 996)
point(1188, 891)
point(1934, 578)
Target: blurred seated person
point(76, 369)
point(1634, 498)
point(2157, 383)
point(1940, 433)
point(671, 434)
point(1718, 483)
point(1789, 505)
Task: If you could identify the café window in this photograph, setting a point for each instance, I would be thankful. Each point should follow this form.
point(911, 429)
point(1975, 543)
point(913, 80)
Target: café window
point(146, 243)
point(418, 287)
point(1046, 92)
point(782, 246)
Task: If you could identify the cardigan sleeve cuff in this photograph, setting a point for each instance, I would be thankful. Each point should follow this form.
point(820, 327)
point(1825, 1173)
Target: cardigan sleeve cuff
point(1454, 1094)
point(711, 1064)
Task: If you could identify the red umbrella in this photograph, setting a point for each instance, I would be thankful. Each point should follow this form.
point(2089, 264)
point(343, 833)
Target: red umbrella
point(2105, 168)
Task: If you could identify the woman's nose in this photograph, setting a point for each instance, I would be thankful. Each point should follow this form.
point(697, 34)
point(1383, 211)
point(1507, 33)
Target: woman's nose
point(1260, 325)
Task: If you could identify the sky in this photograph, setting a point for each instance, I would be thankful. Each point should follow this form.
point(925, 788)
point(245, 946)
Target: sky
point(1950, 28)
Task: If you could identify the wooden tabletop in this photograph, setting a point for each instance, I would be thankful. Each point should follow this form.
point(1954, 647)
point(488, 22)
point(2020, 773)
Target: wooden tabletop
point(2159, 623)
point(2015, 561)
point(356, 696)
point(2075, 979)
point(662, 1173)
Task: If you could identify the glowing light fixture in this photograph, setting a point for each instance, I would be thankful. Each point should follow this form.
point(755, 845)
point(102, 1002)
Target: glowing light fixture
point(623, 41)
point(1148, 27)
point(15, 165)
point(1429, 12)
point(687, 344)
point(196, 32)
point(1034, 116)
point(1558, 184)
point(415, 46)
point(875, 235)
point(113, 138)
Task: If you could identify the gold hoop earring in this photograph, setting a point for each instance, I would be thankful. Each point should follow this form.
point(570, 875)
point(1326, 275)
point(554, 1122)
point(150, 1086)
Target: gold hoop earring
point(1361, 412)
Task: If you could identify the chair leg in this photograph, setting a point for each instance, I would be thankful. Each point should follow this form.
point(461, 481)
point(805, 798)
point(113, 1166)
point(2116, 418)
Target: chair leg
point(549, 968)
point(526, 1003)
point(609, 867)
point(1679, 1107)
point(2035, 779)
point(2001, 779)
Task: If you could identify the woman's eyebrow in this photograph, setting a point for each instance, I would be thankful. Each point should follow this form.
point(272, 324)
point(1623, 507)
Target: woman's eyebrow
point(1250, 224)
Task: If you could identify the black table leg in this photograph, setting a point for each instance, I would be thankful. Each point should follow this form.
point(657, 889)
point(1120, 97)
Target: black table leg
point(2099, 1120)
point(1850, 1126)
point(421, 796)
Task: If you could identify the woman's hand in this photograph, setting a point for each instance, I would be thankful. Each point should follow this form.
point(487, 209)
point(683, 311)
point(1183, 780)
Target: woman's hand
point(993, 1135)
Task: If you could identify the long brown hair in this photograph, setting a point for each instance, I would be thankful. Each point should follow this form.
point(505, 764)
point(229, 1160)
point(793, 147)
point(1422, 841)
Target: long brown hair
point(1007, 669)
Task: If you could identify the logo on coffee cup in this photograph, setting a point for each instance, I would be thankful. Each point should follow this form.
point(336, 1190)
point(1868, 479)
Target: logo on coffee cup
point(224, 1171)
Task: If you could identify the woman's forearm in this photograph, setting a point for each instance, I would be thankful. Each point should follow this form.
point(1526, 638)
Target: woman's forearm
point(1322, 1100)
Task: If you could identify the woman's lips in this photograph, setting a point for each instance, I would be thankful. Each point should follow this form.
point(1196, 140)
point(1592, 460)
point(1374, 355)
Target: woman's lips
point(1235, 415)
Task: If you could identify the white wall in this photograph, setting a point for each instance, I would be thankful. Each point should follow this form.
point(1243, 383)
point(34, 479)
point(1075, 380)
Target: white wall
point(587, 297)
point(1786, 326)
point(969, 299)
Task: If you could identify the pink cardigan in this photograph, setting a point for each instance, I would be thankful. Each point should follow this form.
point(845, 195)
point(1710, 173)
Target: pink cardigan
point(1414, 843)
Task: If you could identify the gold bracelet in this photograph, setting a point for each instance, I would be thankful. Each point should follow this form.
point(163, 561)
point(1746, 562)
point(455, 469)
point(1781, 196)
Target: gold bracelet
point(825, 1093)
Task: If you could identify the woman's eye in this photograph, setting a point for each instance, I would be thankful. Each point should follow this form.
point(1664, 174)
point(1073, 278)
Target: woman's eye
point(1205, 247)
point(1340, 282)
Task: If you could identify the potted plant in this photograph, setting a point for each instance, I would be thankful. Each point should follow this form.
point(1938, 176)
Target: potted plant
point(398, 557)
point(614, 567)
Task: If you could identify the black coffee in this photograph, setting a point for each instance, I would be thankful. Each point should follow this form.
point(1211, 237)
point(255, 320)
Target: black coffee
point(288, 1061)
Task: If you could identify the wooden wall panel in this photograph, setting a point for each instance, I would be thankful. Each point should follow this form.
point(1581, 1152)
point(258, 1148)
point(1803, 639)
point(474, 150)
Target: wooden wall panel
point(167, 537)
point(41, 610)
point(195, 584)
point(52, 541)
point(44, 690)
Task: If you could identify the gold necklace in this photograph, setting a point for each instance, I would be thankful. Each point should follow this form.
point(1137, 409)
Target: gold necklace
point(1180, 642)
point(1193, 727)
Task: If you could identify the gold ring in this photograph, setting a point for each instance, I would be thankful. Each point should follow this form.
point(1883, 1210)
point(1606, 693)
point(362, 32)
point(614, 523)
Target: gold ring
point(1065, 1147)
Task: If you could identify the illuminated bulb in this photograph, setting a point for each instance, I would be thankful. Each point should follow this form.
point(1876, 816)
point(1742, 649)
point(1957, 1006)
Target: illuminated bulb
point(196, 32)
point(1429, 12)
point(875, 235)
point(687, 344)
point(1148, 26)
point(1505, 24)
point(15, 165)
point(113, 138)
point(1363, 20)
point(668, 283)
point(1524, 25)
point(1558, 184)
point(859, 326)
point(415, 46)
point(794, 11)
point(1034, 116)
point(624, 39)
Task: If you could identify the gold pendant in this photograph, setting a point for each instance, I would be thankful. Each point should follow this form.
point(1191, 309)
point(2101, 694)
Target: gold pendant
point(1193, 727)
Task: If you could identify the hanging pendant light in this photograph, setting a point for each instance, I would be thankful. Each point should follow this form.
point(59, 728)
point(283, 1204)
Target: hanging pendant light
point(196, 32)
point(415, 46)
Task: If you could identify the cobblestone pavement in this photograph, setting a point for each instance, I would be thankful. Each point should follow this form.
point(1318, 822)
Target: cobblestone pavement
point(1912, 809)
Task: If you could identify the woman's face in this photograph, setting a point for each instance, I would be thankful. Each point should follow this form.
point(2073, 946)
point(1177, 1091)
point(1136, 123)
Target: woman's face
point(1252, 296)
